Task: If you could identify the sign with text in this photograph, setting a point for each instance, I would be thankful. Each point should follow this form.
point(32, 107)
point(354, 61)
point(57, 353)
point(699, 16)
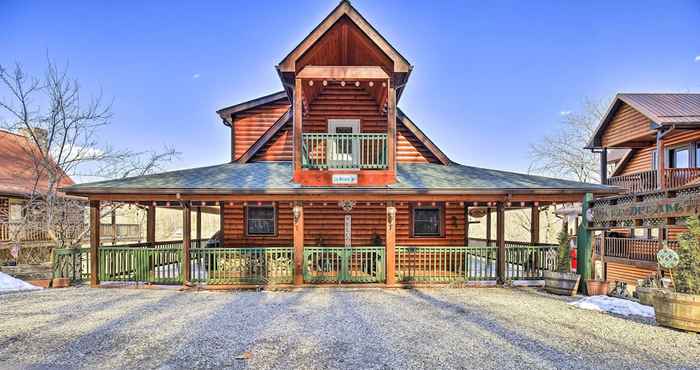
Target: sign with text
point(345, 179)
point(684, 205)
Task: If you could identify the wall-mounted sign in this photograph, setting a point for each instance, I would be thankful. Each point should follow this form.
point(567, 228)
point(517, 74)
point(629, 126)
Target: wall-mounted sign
point(345, 179)
point(683, 205)
point(477, 212)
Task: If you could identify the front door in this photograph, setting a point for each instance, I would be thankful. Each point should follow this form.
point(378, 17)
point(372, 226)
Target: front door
point(343, 148)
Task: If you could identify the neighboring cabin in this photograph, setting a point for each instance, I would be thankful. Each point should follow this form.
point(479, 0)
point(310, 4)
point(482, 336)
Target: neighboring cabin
point(659, 136)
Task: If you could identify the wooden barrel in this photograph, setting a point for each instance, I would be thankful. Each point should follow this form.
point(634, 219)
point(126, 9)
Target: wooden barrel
point(646, 295)
point(677, 310)
point(561, 283)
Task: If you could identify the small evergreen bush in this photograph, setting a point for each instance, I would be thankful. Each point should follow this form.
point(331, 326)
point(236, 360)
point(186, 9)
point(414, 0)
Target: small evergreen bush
point(687, 273)
point(564, 258)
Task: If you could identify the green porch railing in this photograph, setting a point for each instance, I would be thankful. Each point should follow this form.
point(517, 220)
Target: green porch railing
point(445, 264)
point(268, 265)
point(73, 263)
point(158, 265)
point(339, 264)
point(529, 262)
point(344, 151)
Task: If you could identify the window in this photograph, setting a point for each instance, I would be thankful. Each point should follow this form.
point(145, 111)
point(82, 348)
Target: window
point(679, 157)
point(427, 221)
point(697, 154)
point(260, 220)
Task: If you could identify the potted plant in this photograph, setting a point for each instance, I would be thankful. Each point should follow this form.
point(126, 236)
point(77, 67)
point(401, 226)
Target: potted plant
point(647, 288)
point(562, 281)
point(681, 309)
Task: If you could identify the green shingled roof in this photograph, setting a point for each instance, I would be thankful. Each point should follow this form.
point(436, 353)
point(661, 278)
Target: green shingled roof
point(272, 177)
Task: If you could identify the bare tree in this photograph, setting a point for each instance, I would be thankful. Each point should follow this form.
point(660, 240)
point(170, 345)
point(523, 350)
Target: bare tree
point(562, 153)
point(63, 133)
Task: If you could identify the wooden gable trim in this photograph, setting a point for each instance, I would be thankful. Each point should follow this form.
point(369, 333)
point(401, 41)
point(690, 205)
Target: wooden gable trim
point(266, 137)
point(228, 112)
point(288, 64)
point(422, 137)
point(618, 101)
point(343, 73)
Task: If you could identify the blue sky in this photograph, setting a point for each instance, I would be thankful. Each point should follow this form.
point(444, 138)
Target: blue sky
point(489, 77)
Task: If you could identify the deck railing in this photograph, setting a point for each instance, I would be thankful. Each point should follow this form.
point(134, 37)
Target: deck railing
point(269, 265)
point(162, 265)
point(344, 151)
point(648, 180)
point(14, 230)
point(72, 263)
point(632, 249)
point(339, 264)
point(123, 231)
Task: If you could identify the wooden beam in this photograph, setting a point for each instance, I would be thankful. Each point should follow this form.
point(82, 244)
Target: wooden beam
point(342, 73)
point(186, 241)
point(222, 205)
point(488, 226)
point(298, 221)
point(391, 128)
point(466, 224)
point(661, 162)
point(199, 223)
point(297, 128)
point(604, 166)
point(534, 225)
point(94, 243)
point(390, 244)
point(151, 224)
point(501, 243)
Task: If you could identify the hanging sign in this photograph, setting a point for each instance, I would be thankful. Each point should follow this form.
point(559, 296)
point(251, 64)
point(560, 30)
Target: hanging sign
point(344, 179)
point(683, 205)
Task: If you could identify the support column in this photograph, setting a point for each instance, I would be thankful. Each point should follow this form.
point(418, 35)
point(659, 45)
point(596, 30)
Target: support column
point(604, 166)
point(466, 224)
point(390, 249)
point(199, 224)
point(534, 225)
point(151, 224)
point(298, 214)
point(501, 243)
point(488, 226)
point(221, 224)
point(94, 243)
point(391, 127)
point(660, 161)
point(583, 246)
point(114, 225)
point(297, 108)
point(186, 241)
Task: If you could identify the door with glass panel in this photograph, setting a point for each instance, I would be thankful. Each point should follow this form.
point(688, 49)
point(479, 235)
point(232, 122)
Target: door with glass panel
point(343, 145)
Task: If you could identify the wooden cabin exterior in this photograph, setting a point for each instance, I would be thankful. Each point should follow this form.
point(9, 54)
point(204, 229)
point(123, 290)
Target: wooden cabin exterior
point(660, 134)
point(329, 181)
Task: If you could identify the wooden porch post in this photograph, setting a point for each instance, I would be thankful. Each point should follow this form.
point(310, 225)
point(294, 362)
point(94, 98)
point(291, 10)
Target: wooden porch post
point(199, 223)
point(113, 217)
point(298, 214)
point(534, 225)
point(660, 161)
point(604, 166)
point(391, 127)
point(221, 224)
point(186, 241)
point(151, 224)
point(501, 243)
point(466, 224)
point(297, 108)
point(390, 249)
point(488, 226)
point(94, 243)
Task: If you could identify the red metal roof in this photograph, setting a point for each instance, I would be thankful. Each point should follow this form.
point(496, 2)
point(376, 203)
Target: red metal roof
point(666, 108)
point(17, 170)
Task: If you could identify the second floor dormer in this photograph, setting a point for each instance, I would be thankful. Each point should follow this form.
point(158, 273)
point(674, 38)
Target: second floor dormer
point(337, 119)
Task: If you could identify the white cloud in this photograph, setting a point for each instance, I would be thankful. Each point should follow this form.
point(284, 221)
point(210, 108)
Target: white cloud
point(195, 76)
point(697, 58)
point(565, 113)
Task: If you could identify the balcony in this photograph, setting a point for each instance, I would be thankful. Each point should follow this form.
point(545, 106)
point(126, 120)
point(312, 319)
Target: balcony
point(344, 151)
point(648, 180)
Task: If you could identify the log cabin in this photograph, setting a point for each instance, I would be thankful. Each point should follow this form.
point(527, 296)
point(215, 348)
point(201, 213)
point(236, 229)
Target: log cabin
point(329, 182)
point(659, 172)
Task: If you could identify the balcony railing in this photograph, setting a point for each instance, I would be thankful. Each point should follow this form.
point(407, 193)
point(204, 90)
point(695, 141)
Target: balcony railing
point(344, 151)
point(648, 180)
point(11, 230)
point(632, 249)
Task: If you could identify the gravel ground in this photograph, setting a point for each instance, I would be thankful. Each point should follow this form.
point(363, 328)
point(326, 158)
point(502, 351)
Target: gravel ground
point(326, 328)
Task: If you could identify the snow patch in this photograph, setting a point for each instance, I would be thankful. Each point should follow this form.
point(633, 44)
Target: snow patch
point(9, 284)
point(618, 306)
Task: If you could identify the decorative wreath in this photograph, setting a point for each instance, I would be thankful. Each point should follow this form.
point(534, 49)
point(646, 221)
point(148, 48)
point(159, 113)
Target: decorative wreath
point(667, 258)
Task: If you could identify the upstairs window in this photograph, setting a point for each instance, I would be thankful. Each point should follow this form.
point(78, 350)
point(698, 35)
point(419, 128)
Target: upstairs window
point(427, 221)
point(679, 157)
point(261, 220)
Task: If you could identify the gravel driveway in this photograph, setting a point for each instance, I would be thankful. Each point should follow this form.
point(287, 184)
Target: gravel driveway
point(326, 328)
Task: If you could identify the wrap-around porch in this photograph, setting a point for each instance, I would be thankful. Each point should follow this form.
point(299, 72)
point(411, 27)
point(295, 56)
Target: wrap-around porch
point(320, 241)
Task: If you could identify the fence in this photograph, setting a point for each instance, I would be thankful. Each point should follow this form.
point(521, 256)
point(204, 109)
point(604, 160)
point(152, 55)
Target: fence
point(243, 265)
point(73, 263)
point(632, 249)
point(339, 264)
point(355, 151)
